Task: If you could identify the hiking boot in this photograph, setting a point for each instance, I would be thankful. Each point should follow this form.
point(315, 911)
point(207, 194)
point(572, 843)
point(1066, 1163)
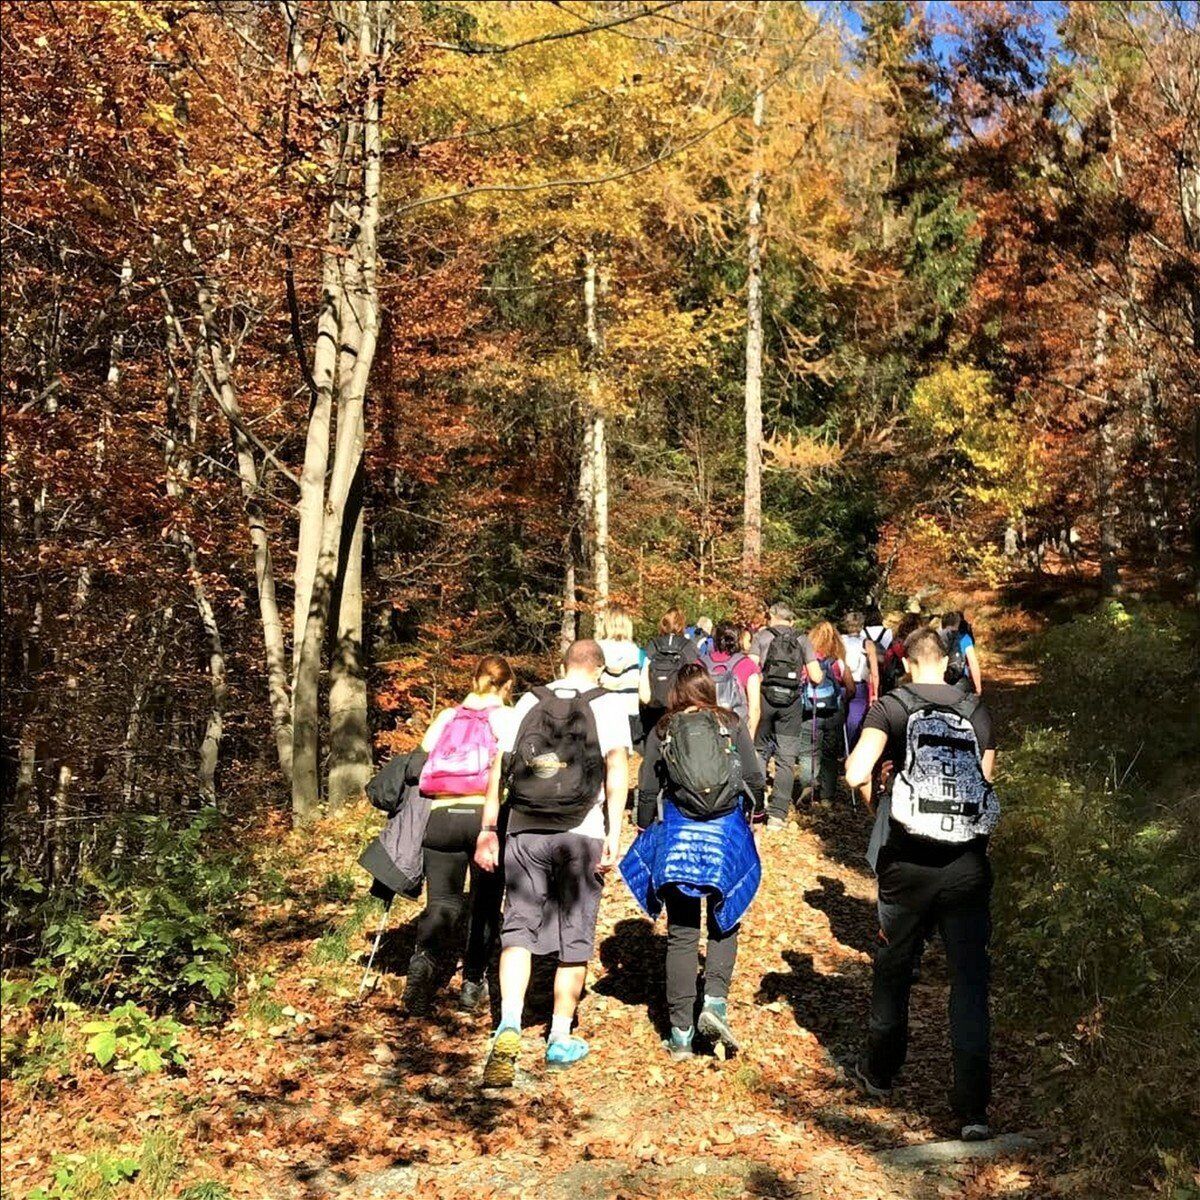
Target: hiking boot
point(679, 1044)
point(563, 1052)
point(419, 986)
point(771, 824)
point(500, 1070)
point(473, 995)
point(977, 1131)
point(713, 1022)
point(862, 1078)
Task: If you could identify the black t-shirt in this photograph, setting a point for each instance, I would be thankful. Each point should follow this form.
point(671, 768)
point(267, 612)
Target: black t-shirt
point(887, 715)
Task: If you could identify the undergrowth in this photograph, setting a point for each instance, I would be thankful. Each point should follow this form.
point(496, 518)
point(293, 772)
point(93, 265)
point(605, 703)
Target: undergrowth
point(1098, 895)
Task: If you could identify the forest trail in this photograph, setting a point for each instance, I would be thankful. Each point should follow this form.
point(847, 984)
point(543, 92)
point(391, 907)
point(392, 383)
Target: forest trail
point(778, 1119)
point(775, 1120)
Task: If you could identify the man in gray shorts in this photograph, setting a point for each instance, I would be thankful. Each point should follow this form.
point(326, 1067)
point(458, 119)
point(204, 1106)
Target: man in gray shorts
point(567, 785)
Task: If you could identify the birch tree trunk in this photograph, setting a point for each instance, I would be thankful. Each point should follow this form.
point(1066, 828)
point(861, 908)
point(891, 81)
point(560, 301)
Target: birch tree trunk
point(350, 761)
point(752, 504)
point(568, 628)
point(595, 445)
point(348, 450)
point(264, 570)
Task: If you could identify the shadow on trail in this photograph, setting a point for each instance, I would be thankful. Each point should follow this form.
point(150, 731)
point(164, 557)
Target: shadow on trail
point(844, 830)
point(833, 1007)
point(634, 958)
point(854, 922)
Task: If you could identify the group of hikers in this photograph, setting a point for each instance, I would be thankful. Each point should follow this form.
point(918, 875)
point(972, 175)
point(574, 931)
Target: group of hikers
point(736, 727)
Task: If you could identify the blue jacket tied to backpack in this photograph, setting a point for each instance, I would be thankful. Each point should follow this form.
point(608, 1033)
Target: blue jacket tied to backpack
point(716, 857)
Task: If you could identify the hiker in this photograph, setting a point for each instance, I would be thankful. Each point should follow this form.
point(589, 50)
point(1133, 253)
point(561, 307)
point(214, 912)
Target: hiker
point(928, 850)
point(824, 711)
point(665, 654)
point(962, 659)
point(863, 662)
point(892, 671)
point(877, 632)
point(462, 745)
point(623, 662)
point(788, 662)
point(702, 635)
point(567, 784)
point(700, 784)
point(738, 678)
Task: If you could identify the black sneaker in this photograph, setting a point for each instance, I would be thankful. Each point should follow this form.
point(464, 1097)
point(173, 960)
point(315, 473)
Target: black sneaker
point(862, 1078)
point(977, 1131)
point(473, 995)
point(419, 986)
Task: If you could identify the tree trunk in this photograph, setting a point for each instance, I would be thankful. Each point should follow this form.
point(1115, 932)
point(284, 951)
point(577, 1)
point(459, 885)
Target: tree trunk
point(752, 505)
point(1106, 514)
point(594, 466)
point(180, 438)
point(264, 570)
point(567, 632)
point(350, 760)
point(348, 451)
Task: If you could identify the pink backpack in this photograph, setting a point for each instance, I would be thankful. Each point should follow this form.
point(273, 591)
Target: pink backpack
point(461, 761)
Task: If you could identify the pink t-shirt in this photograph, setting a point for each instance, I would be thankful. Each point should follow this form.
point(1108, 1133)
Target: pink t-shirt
point(745, 670)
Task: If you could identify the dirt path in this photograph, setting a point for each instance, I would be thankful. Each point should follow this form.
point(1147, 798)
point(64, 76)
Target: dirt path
point(776, 1120)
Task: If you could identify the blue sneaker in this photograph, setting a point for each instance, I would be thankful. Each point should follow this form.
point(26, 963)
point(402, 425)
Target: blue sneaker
point(679, 1044)
point(713, 1022)
point(565, 1051)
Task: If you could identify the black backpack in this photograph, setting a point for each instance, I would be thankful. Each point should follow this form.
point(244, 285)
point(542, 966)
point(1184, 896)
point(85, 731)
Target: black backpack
point(702, 765)
point(557, 770)
point(956, 666)
point(665, 659)
point(783, 668)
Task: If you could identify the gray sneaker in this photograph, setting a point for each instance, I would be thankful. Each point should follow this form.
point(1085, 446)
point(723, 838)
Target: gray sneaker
point(977, 1132)
point(862, 1079)
point(473, 996)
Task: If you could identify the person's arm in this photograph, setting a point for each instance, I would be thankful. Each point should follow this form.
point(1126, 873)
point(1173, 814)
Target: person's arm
point(754, 703)
point(616, 792)
point(487, 844)
point(435, 729)
point(973, 669)
point(811, 663)
point(644, 684)
point(872, 670)
point(752, 771)
point(848, 681)
point(988, 764)
point(866, 753)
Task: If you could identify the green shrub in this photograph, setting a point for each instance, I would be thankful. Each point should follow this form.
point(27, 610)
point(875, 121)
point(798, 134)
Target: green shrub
point(1122, 681)
point(154, 926)
point(94, 1176)
point(130, 1039)
point(1097, 899)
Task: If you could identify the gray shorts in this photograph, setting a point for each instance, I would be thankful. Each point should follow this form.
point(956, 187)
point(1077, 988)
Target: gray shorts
point(552, 893)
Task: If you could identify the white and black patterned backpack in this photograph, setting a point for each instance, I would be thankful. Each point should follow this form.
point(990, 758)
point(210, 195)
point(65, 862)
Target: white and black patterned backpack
point(940, 792)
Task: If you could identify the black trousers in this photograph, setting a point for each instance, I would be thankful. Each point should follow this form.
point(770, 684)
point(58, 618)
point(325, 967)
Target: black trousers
point(954, 899)
point(449, 851)
point(683, 956)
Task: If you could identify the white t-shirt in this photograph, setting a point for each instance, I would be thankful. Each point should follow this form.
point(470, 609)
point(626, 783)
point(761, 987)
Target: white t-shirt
point(881, 635)
point(612, 729)
point(622, 666)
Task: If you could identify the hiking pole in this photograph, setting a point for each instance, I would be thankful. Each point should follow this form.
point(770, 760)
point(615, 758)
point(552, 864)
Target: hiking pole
point(387, 912)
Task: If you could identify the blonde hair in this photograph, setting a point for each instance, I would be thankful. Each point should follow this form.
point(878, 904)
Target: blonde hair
point(826, 640)
point(615, 623)
point(673, 621)
point(492, 675)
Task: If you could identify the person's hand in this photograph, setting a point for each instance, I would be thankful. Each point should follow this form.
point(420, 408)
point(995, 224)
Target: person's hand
point(487, 850)
point(610, 853)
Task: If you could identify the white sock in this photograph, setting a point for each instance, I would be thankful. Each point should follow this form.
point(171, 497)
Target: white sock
point(510, 1013)
point(560, 1027)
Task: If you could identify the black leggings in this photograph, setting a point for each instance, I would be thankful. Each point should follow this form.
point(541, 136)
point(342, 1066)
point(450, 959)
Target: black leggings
point(449, 851)
point(683, 956)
